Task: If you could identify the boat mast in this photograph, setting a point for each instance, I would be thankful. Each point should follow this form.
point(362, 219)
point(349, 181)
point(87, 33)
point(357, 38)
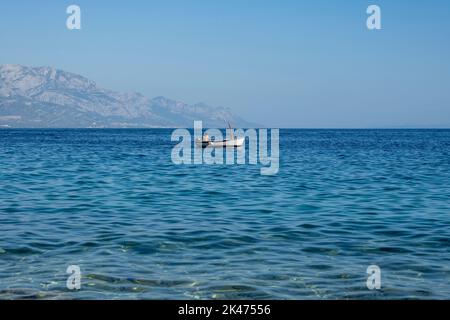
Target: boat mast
point(231, 130)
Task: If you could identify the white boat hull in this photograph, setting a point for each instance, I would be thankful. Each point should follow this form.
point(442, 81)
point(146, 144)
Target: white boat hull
point(238, 142)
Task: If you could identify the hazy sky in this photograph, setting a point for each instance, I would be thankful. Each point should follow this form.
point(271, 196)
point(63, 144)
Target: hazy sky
point(281, 63)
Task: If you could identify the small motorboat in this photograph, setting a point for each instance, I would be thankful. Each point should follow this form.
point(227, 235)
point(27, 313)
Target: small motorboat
point(234, 142)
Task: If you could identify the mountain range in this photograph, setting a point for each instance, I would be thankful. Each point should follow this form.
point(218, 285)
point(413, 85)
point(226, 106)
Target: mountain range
point(45, 97)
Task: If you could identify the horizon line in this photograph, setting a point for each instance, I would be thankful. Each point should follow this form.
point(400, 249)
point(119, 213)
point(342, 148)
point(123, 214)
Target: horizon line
point(262, 127)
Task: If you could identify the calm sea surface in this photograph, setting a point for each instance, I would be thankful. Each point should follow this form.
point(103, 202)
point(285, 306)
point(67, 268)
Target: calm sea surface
point(140, 227)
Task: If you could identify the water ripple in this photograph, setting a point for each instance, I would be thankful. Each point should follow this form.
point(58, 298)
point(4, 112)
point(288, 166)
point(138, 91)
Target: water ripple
point(140, 227)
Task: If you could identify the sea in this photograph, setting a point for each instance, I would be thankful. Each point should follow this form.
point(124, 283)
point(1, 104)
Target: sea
point(112, 203)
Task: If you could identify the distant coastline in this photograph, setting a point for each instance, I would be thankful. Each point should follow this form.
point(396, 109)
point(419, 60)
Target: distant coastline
point(44, 97)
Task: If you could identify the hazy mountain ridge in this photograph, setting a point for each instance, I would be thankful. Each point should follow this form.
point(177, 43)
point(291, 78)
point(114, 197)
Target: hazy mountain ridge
point(47, 97)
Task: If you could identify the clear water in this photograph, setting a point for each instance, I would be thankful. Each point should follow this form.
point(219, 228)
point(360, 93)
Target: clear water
point(140, 227)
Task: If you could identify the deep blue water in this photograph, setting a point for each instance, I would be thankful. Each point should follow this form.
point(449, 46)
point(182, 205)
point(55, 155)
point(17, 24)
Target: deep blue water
point(112, 202)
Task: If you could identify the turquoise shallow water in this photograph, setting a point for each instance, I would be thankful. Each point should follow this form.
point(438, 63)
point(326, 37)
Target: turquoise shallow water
point(140, 227)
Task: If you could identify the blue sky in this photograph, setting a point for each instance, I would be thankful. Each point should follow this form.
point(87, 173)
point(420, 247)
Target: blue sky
point(280, 63)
